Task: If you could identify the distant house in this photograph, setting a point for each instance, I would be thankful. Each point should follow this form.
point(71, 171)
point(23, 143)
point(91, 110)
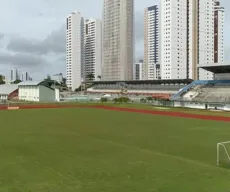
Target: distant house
point(8, 91)
point(37, 91)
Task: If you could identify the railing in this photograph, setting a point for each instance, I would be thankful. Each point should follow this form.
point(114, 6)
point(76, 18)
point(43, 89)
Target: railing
point(198, 82)
point(160, 103)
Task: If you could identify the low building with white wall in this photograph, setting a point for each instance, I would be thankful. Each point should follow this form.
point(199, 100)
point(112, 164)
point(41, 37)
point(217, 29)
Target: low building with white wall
point(37, 91)
point(8, 91)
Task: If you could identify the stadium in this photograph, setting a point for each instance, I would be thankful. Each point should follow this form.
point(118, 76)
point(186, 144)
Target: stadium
point(81, 144)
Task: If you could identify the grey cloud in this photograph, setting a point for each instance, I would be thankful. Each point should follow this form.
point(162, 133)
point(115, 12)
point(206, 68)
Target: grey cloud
point(53, 43)
point(21, 60)
point(1, 35)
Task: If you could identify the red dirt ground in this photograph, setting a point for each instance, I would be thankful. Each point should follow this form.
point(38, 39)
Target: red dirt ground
point(145, 111)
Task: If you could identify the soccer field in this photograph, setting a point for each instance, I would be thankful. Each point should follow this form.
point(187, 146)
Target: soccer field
point(96, 150)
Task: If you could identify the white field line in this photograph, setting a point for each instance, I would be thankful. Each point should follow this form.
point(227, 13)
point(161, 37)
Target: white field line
point(198, 163)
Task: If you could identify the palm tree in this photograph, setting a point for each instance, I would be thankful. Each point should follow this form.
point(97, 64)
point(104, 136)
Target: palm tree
point(99, 77)
point(90, 76)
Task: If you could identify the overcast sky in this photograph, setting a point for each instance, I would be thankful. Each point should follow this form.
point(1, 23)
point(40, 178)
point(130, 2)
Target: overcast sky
point(32, 32)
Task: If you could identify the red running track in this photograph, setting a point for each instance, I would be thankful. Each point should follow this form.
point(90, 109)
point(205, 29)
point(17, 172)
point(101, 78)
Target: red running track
point(144, 111)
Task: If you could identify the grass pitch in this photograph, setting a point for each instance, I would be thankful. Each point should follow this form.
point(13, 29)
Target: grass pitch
point(92, 150)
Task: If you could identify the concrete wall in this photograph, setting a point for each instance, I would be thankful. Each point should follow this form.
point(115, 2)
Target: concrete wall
point(36, 93)
point(46, 94)
point(28, 93)
point(3, 97)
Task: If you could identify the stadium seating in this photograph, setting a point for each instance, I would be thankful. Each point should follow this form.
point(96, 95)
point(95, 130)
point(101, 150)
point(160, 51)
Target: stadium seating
point(212, 91)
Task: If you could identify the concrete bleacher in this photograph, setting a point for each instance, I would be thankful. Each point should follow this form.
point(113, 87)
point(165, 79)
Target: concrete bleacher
point(212, 91)
point(139, 87)
point(145, 87)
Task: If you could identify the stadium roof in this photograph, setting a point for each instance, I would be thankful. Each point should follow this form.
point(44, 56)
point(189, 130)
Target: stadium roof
point(35, 83)
point(217, 68)
point(30, 83)
point(170, 81)
point(7, 89)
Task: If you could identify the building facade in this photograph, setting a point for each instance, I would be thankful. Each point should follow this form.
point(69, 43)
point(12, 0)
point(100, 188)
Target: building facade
point(118, 40)
point(218, 32)
point(15, 75)
point(25, 77)
point(138, 70)
point(151, 42)
point(36, 91)
point(187, 38)
point(93, 48)
point(74, 50)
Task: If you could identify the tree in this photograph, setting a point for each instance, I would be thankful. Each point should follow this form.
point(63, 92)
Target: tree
point(64, 82)
point(104, 99)
point(116, 100)
point(149, 99)
point(90, 76)
point(48, 78)
point(99, 77)
point(2, 80)
point(17, 81)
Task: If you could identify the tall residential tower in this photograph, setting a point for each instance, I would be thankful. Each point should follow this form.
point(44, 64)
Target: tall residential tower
point(74, 50)
point(151, 42)
point(118, 40)
point(188, 30)
point(93, 48)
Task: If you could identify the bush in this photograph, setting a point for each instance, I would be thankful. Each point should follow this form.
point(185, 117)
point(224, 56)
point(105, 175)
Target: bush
point(121, 100)
point(143, 100)
point(124, 99)
point(104, 100)
point(116, 100)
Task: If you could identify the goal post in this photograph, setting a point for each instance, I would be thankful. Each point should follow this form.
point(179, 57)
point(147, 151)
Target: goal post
point(223, 153)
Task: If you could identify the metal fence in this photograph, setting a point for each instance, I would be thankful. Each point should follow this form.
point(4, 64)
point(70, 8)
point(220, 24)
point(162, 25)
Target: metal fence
point(142, 101)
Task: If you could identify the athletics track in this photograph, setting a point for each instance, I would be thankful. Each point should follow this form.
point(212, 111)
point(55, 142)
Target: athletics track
point(145, 111)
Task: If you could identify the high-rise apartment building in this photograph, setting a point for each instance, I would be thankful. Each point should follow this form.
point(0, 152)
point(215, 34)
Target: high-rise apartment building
point(15, 75)
point(187, 38)
point(138, 70)
point(74, 50)
point(93, 48)
point(151, 42)
point(25, 76)
point(218, 32)
point(118, 40)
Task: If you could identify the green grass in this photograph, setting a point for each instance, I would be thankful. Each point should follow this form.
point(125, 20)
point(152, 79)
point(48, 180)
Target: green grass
point(91, 150)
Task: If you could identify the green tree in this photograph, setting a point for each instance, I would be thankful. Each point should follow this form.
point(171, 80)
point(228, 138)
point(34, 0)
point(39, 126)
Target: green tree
point(64, 82)
point(149, 99)
point(99, 77)
point(104, 100)
point(48, 78)
point(116, 100)
point(90, 76)
point(2, 80)
point(124, 99)
point(17, 81)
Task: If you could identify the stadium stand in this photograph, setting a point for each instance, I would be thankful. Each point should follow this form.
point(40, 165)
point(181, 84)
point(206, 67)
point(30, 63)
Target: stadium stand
point(154, 88)
point(217, 90)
